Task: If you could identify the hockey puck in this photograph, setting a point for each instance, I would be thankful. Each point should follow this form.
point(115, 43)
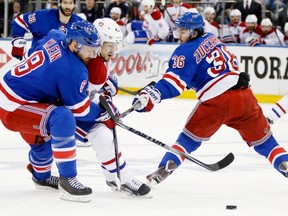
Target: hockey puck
point(231, 207)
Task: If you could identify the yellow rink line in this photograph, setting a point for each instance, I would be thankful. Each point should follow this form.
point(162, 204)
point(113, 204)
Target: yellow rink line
point(262, 98)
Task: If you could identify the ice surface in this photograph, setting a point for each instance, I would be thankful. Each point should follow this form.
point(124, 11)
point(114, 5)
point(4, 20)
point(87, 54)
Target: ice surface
point(249, 182)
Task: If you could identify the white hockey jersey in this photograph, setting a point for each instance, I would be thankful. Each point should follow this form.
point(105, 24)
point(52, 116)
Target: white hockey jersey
point(274, 38)
point(172, 13)
point(155, 23)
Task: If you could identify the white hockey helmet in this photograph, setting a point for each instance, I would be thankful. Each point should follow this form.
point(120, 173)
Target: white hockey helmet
point(116, 10)
point(149, 3)
point(193, 10)
point(266, 22)
point(209, 10)
point(251, 18)
point(286, 27)
point(235, 12)
point(108, 30)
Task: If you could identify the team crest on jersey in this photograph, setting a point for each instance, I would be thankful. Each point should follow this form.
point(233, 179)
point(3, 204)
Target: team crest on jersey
point(63, 29)
point(32, 18)
point(83, 84)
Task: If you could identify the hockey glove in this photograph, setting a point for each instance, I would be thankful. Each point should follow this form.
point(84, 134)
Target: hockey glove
point(147, 98)
point(105, 118)
point(152, 40)
point(18, 47)
point(256, 42)
point(110, 87)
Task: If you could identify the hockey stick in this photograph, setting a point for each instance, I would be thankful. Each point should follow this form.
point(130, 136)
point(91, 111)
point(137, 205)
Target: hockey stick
point(212, 167)
point(115, 140)
point(135, 92)
point(131, 109)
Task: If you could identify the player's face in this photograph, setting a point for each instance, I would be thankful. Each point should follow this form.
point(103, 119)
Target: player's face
point(85, 53)
point(235, 19)
point(183, 35)
point(251, 26)
point(266, 29)
point(114, 16)
point(108, 49)
point(209, 17)
point(147, 9)
point(67, 7)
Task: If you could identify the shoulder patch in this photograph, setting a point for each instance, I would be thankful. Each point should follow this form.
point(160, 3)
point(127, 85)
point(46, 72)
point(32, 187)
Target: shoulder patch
point(83, 84)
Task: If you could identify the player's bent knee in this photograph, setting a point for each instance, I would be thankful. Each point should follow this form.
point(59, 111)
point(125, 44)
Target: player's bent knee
point(101, 138)
point(62, 122)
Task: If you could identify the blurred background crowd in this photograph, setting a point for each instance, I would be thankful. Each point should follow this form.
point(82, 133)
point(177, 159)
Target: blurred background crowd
point(251, 22)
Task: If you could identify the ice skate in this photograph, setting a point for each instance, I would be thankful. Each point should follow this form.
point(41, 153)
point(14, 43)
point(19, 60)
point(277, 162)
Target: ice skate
point(72, 190)
point(85, 143)
point(134, 187)
point(284, 167)
point(47, 184)
point(161, 173)
point(50, 183)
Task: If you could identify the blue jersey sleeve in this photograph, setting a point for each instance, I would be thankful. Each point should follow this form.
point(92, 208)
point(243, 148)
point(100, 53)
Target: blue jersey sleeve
point(180, 72)
point(39, 23)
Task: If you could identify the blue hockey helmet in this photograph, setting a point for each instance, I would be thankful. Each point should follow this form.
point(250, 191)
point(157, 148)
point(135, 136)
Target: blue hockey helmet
point(191, 21)
point(84, 33)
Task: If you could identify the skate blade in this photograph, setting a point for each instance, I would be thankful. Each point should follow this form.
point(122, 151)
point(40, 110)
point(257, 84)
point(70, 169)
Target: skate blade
point(130, 194)
point(147, 196)
point(64, 195)
point(83, 144)
point(44, 188)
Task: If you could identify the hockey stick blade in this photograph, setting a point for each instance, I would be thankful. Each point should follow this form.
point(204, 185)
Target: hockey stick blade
point(135, 92)
point(212, 167)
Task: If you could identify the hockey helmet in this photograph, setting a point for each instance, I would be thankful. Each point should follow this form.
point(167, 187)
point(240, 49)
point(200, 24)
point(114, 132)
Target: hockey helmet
point(209, 10)
point(286, 27)
point(149, 3)
point(235, 12)
point(108, 30)
point(251, 18)
point(266, 22)
point(116, 10)
point(191, 21)
point(84, 33)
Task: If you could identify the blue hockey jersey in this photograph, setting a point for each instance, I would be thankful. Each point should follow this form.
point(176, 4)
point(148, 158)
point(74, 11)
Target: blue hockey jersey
point(204, 64)
point(50, 73)
point(39, 23)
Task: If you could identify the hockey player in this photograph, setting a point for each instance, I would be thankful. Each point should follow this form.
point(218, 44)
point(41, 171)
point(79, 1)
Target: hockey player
point(115, 14)
point(39, 23)
point(252, 31)
point(271, 36)
point(278, 110)
point(224, 95)
point(29, 94)
point(153, 28)
point(172, 12)
point(236, 26)
point(100, 134)
point(210, 24)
